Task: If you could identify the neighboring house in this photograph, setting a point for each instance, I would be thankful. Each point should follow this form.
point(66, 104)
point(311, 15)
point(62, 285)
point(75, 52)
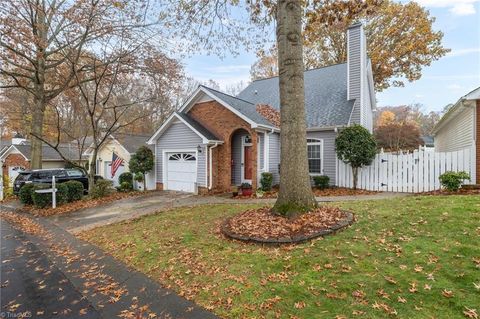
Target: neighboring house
point(428, 141)
point(123, 145)
point(459, 128)
point(17, 156)
point(216, 140)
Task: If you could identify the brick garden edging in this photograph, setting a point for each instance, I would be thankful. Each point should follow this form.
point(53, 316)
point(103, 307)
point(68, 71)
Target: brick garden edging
point(288, 240)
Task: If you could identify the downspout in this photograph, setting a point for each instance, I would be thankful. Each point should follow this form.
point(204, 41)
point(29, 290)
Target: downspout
point(210, 164)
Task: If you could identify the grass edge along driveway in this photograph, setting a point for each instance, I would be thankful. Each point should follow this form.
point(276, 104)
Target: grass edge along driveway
point(412, 257)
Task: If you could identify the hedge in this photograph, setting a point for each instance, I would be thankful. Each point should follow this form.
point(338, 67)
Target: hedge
point(74, 190)
point(25, 194)
point(102, 188)
point(42, 200)
point(321, 181)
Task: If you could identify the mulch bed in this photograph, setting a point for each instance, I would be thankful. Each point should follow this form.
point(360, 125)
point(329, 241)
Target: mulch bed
point(83, 203)
point(262, 226)
point(341, 191)
point(332, 191)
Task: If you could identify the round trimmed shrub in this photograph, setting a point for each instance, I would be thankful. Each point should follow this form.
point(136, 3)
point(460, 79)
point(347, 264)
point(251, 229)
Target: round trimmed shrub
point(25, 194)
point(321, 181)
point(74, 191)
point(127, 178)
point(125, 187)
point(453, 180)
point(102, 188)
point(266, 181)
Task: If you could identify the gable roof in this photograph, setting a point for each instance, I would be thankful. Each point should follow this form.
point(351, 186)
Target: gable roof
point(48, 153)
point(246, 108)
point(197, 128)
point(326, 101)
point(457, 108)
point(131, 142)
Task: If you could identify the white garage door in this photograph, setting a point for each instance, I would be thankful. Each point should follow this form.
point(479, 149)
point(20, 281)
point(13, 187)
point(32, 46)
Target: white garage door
point(181, 171)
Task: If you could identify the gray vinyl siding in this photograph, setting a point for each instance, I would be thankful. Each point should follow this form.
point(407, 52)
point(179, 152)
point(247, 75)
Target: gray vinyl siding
point(355, 73)
point(358, 83)
point(329, 154)
point(237, 159)
point(260, 150)
point(458, 133)
point(179, 136)
point(274, 156)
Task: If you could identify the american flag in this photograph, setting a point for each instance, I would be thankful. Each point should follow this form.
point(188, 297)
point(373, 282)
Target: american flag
point(116, 163)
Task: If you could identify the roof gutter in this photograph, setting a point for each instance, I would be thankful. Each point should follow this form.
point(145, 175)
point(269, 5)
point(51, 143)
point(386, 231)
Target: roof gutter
point(210, 165)
point(325, 128)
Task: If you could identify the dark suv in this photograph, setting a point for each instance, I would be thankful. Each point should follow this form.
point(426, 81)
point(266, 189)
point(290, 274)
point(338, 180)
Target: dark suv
point(44, 176)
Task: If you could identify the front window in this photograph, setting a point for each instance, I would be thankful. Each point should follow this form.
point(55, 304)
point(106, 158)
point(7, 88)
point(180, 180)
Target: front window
point(315, 154)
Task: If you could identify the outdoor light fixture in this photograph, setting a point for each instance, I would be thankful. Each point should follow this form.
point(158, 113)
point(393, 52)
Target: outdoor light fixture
point(199, 149)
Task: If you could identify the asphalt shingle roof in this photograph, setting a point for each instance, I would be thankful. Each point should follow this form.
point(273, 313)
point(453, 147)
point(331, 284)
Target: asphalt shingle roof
point(199, 127)
point(132, 142)
point(326, 101)
point(49, 154)
point(243, 106)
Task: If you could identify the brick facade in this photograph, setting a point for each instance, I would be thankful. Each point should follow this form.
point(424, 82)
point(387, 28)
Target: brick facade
point(224, 128)
point(477, 141)
point(159, 186)
point(14, 160)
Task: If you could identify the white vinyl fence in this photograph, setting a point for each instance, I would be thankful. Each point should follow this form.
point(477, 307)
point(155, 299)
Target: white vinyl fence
point(413, 172)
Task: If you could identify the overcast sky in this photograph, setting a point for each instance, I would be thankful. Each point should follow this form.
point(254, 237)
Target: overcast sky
point(443, 82)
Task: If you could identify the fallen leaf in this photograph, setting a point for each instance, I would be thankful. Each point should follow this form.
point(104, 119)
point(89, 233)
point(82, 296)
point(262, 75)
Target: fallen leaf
point(470, 313)
point(447, 293)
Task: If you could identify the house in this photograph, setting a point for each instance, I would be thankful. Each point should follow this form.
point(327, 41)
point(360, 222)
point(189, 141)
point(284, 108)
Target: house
point(428, 141)
point(216, 140)
point(123, 146)
point(459, 128)
point(16, 157)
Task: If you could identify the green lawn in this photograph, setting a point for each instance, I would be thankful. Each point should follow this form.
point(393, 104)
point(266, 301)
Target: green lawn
point(414, 257)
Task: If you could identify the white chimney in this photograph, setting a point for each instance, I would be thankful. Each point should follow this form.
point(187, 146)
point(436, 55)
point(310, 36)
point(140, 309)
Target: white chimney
point(18, 139)
point(357, 67)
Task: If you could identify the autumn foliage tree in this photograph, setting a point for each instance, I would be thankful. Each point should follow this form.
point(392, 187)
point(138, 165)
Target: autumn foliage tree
point(400, 38)
point(42, 42)
point(396, 136)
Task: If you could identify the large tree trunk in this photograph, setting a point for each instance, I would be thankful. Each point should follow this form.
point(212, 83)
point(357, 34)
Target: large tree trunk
point(37, 130)
point(39, 94)
point(92, 170)
point(295, 195)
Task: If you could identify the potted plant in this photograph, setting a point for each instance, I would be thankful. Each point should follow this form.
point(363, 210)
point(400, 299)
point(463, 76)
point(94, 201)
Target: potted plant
point(246, 189)
point(234, 191)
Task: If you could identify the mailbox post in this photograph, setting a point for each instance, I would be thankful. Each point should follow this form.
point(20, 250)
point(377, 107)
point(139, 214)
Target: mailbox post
point(52, 190)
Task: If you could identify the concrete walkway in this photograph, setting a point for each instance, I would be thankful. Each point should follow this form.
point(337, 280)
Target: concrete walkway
point(64, 276)
point(134, 207)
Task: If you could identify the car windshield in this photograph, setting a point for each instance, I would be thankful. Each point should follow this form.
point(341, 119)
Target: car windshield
point(22, 177)
point(74, 173)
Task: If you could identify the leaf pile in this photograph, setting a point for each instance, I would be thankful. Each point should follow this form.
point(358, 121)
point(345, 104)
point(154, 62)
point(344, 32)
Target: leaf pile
point(262, 223)
point(341, 191)
point(269, 113)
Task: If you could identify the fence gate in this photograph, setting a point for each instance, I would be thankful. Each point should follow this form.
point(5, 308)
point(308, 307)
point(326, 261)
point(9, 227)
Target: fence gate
point(413, 172)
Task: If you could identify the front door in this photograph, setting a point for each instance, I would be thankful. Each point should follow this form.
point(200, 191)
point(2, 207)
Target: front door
point(247, 160)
